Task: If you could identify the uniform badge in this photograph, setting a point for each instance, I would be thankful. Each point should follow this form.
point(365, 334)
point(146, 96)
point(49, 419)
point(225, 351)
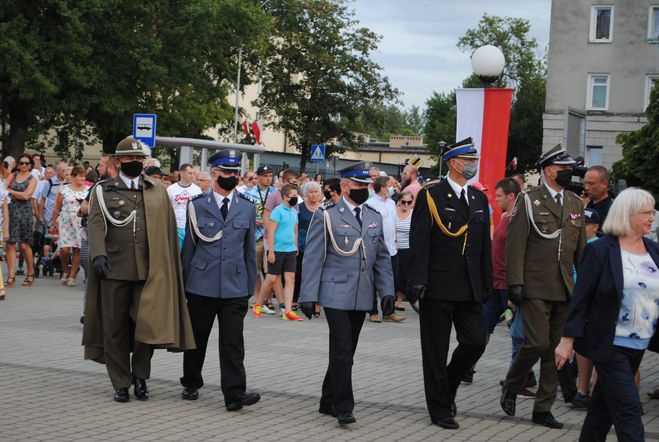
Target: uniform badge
point(575, 216)
point(514, 211)
point(116, 214)
point(372, 225)
point(449, 195)
point(345, 241)
point(341, 209)
point(473, 197)
point(121, 202)
point(536, 202)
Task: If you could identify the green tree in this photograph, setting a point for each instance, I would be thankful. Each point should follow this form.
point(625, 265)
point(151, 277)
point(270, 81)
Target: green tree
point(42, 45)
point(72, 66)
point(525, 71)
point(380, 122)
point(319, 76)
point(440, 117)
point(640, 151)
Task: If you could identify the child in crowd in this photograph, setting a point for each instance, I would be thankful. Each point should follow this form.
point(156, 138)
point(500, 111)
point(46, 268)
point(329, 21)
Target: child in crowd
point(282, 252)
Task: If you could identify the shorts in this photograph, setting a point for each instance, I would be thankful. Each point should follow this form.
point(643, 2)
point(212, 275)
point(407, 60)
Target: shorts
point(261, 262)
point(285, 262)
point(495, 305)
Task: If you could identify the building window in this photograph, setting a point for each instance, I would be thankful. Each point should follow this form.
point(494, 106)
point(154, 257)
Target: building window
point(598, 92)
point(651, 81)
point(601, 24)
point(653, 25)
point(594, 156)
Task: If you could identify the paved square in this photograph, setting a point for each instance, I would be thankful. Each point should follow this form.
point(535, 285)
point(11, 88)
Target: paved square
point(48, 392)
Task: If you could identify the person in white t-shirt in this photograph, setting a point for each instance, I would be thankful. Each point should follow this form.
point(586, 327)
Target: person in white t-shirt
point(38, 170)
point(179, 194)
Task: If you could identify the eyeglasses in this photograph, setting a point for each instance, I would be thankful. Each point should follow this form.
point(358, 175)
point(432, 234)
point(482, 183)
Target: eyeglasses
point(409, 203)
point(24, 163)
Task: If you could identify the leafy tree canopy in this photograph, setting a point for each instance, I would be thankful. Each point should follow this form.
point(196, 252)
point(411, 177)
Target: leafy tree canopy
point(319, 77)
point(640, 151)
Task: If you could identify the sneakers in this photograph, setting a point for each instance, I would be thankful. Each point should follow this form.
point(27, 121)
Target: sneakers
point(267, 310)
point(291, 316)
point(257, 312)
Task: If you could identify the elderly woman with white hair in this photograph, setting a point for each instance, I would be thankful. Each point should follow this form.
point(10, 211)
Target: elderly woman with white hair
point(312, 194)
point(613, 315)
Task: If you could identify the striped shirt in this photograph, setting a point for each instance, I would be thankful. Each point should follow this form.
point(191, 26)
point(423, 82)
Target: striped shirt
point(403, 231)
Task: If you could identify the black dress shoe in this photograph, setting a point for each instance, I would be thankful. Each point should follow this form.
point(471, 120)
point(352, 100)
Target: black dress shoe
point(454, 409)
point(468, 377)
point(140, 390)
point(346, 418)
point(190, 394)
point(448, 423)
point(121, 395)
point(508, 401)
point(244, 399)
point(546, 419)
point(327, 409)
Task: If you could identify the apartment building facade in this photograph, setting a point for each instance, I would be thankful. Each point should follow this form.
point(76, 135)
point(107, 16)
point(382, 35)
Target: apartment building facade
point(603, 62)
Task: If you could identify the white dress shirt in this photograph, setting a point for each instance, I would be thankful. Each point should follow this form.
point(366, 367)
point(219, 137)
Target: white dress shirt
point(219, 198)
point(387, 209)
point(128, 180)
point(458, 188)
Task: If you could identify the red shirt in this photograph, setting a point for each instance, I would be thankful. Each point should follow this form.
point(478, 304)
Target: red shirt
point(499, 253)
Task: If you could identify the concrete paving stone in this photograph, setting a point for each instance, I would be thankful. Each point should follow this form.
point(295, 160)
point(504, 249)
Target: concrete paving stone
point(63, 397)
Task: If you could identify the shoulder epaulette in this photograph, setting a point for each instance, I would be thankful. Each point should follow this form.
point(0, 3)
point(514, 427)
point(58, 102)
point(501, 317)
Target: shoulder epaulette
point(432, 183)
point(327, 206)
point(245, 197)
point(374, 210)
point(201, 195)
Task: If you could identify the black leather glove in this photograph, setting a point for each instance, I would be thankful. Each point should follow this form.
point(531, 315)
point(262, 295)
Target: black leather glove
point(101, 267)
point(387, 304)
point(516, 294)
point(308, 308)
point(415, 292)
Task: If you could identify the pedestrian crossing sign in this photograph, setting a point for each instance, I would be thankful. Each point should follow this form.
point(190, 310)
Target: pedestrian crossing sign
point(318, 152)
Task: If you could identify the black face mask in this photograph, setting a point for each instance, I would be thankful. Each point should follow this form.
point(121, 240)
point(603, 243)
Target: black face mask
point(328, 195)
point(132, 169)
point(292, 201)
point(564, 178)
point(227, 184)
point(359, 196)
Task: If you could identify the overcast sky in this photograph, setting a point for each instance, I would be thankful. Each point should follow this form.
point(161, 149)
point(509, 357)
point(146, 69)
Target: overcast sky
point(418, 49)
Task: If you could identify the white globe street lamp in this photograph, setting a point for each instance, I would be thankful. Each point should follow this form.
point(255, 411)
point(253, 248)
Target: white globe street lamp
point(487, 63)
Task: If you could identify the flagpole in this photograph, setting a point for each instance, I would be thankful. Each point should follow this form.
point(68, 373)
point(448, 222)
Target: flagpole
point(235, 117)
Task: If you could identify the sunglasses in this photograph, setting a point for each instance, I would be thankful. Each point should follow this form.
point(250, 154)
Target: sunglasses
point(23, 163)
point(409, 203)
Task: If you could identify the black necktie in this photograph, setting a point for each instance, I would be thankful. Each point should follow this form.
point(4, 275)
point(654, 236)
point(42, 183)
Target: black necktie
point(558, 199)
point(225, 208)
point(359, 219)
point(132, 185)
point(463, 200)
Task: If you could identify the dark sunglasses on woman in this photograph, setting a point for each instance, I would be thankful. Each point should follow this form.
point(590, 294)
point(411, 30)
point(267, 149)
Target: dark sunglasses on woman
point(409, 203)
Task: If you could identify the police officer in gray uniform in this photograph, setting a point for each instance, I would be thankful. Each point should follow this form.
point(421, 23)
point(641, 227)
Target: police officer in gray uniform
point(345, 261)
point(219, 267)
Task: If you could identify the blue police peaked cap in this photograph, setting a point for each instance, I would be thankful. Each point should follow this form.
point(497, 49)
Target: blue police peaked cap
point(357, 172)
point(462, 149)
point(228, 159)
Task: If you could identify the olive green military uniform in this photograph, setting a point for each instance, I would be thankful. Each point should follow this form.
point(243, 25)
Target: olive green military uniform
point(542, 258)
point(127, 251)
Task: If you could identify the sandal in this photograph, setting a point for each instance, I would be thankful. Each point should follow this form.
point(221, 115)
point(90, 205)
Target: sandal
point(29, 279)
point(71, 282)
point(10, 281)
point(3, 294)
point(316, 313)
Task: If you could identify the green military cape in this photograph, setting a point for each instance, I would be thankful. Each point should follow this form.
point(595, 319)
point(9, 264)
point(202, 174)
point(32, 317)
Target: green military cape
point(162, 316)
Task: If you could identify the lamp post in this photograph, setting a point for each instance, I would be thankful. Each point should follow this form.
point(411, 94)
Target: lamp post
point(442, 145)
point(240, 60)
point(487, 63)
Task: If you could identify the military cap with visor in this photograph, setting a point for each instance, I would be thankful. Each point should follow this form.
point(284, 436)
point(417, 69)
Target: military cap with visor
point(263, 170)
point(461, 149)
point(556, 155)
point(228, 159)
point(357, 172)
point(129, 146)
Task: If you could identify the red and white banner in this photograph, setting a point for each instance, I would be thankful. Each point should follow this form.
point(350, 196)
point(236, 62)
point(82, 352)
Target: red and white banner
point(484, 115)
